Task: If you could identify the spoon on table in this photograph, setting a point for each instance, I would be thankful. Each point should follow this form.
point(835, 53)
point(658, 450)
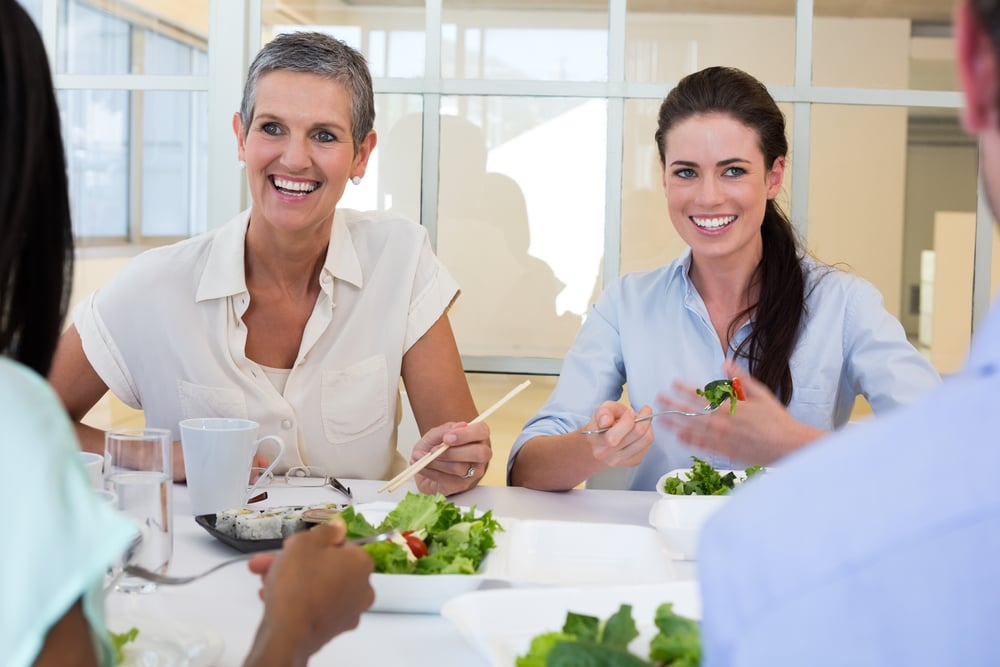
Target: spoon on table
point(707, 410)
point(143, 573)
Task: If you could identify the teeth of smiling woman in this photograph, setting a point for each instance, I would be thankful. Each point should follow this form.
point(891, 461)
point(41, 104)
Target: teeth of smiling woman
point(294, 187)
point(713, 223)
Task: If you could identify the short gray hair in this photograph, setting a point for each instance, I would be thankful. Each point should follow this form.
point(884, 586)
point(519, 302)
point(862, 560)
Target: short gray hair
point(320, 54)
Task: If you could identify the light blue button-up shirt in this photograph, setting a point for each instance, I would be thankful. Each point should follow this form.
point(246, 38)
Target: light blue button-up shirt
point(877, 546)
point(649, 329)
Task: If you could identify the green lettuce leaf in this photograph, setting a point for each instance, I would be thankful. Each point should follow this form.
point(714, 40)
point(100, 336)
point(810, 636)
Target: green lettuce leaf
point(118, 641)
point(678, 642)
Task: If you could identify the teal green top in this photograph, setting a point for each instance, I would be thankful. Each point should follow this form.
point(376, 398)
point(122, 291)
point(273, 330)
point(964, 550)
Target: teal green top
point(59, 538)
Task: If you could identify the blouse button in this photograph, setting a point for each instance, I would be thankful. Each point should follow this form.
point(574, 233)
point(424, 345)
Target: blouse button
point(286, 424)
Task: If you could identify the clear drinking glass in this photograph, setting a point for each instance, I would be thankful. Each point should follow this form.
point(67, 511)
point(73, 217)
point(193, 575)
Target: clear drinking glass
point(138, 468)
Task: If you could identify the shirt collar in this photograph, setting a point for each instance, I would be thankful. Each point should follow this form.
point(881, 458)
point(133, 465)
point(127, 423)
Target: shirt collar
point(683, 266)
point(341, 256)
point(681, 270)
point(225, 275)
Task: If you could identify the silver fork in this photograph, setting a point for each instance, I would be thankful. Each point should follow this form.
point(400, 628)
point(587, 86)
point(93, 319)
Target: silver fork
point(707, 410)
point(137, 571)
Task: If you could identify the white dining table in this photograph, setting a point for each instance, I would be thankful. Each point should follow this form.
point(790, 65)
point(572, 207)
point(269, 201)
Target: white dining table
point(226, 603)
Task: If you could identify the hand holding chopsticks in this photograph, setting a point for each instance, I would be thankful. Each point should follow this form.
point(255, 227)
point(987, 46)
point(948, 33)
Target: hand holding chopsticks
point(422, 463)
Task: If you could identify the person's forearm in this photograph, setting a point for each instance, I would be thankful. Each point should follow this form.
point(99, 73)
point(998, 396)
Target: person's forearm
point(554, 463)
point(277, 647)
point(92, 440)
point(69, 642)
point(791, 440)
point(806, 434)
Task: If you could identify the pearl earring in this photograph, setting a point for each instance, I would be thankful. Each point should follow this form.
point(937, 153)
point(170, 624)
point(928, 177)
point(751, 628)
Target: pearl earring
point(241, 164)
point(356, 180)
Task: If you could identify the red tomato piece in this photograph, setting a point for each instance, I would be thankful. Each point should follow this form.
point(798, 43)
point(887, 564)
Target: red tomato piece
point(417, 546)
point(738, 388)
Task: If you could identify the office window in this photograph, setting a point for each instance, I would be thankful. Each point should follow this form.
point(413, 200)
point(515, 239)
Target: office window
point(914, 36)
point(491, 41)
point(521, 219)
point(95, 136)
point(665, 41)
point(461, 97)
point(137, 156)
point(392, 36)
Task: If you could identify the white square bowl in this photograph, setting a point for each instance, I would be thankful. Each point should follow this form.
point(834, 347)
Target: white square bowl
point(680, 518)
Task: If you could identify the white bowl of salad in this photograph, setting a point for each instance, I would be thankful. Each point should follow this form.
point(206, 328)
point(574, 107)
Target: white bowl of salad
point(689, 496)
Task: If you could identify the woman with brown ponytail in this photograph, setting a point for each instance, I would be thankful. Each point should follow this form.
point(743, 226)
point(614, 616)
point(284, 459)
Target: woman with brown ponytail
point(744, 301)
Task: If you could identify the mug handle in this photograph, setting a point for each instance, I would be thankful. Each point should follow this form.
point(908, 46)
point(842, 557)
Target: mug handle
point(281, 451)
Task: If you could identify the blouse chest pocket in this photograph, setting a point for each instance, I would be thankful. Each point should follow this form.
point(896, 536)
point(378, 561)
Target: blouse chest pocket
point(201, 401)
point(814, 405)
point(355, 400)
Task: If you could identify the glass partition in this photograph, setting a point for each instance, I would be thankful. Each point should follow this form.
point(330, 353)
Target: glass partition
point(908, 43)
point(666, 40)
point(391, 34)
point(528, 41)
point(893, 199)
point(521, 219)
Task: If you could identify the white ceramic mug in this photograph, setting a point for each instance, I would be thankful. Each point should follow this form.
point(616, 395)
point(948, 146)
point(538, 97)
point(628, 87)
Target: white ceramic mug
point(94, 463)
point(218, 454)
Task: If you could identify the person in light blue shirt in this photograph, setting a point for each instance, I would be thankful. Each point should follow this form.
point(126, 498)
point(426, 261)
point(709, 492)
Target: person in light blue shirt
point(879, 545)
point(743, 299)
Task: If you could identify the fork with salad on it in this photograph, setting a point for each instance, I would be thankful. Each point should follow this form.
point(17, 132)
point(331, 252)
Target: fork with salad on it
point(715, 392)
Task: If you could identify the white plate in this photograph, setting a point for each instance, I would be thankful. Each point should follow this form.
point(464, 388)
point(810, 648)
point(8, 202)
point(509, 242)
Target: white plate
point(165, 642)
point(570, 553)
point(529, 553)
point(502, 623)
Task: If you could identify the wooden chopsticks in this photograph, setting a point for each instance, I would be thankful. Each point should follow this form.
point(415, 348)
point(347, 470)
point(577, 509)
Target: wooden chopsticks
point(415, 467)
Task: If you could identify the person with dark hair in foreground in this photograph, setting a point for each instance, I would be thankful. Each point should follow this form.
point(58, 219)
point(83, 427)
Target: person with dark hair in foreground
point(62, 538)
point(879, 545)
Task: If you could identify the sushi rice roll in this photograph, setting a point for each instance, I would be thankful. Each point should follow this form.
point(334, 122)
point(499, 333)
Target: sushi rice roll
point(291, 521)
point(258, 526)
point(225, 521)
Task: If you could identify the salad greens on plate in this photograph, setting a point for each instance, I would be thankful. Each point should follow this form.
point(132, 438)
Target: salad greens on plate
point(587, 641)
point(704, 480)
point(438, 537)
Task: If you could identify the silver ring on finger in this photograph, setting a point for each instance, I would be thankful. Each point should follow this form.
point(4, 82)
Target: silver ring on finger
point(471, 472)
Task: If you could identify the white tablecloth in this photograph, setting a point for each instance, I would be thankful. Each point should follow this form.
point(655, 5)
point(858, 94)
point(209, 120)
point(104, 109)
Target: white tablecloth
point(227, 602)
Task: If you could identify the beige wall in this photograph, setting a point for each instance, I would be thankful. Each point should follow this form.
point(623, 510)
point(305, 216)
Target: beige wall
point(938, 178)
point(951, 300)
point(857, 166)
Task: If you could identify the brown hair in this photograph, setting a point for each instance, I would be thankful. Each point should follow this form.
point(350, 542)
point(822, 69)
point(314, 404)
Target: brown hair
point(780, 306)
